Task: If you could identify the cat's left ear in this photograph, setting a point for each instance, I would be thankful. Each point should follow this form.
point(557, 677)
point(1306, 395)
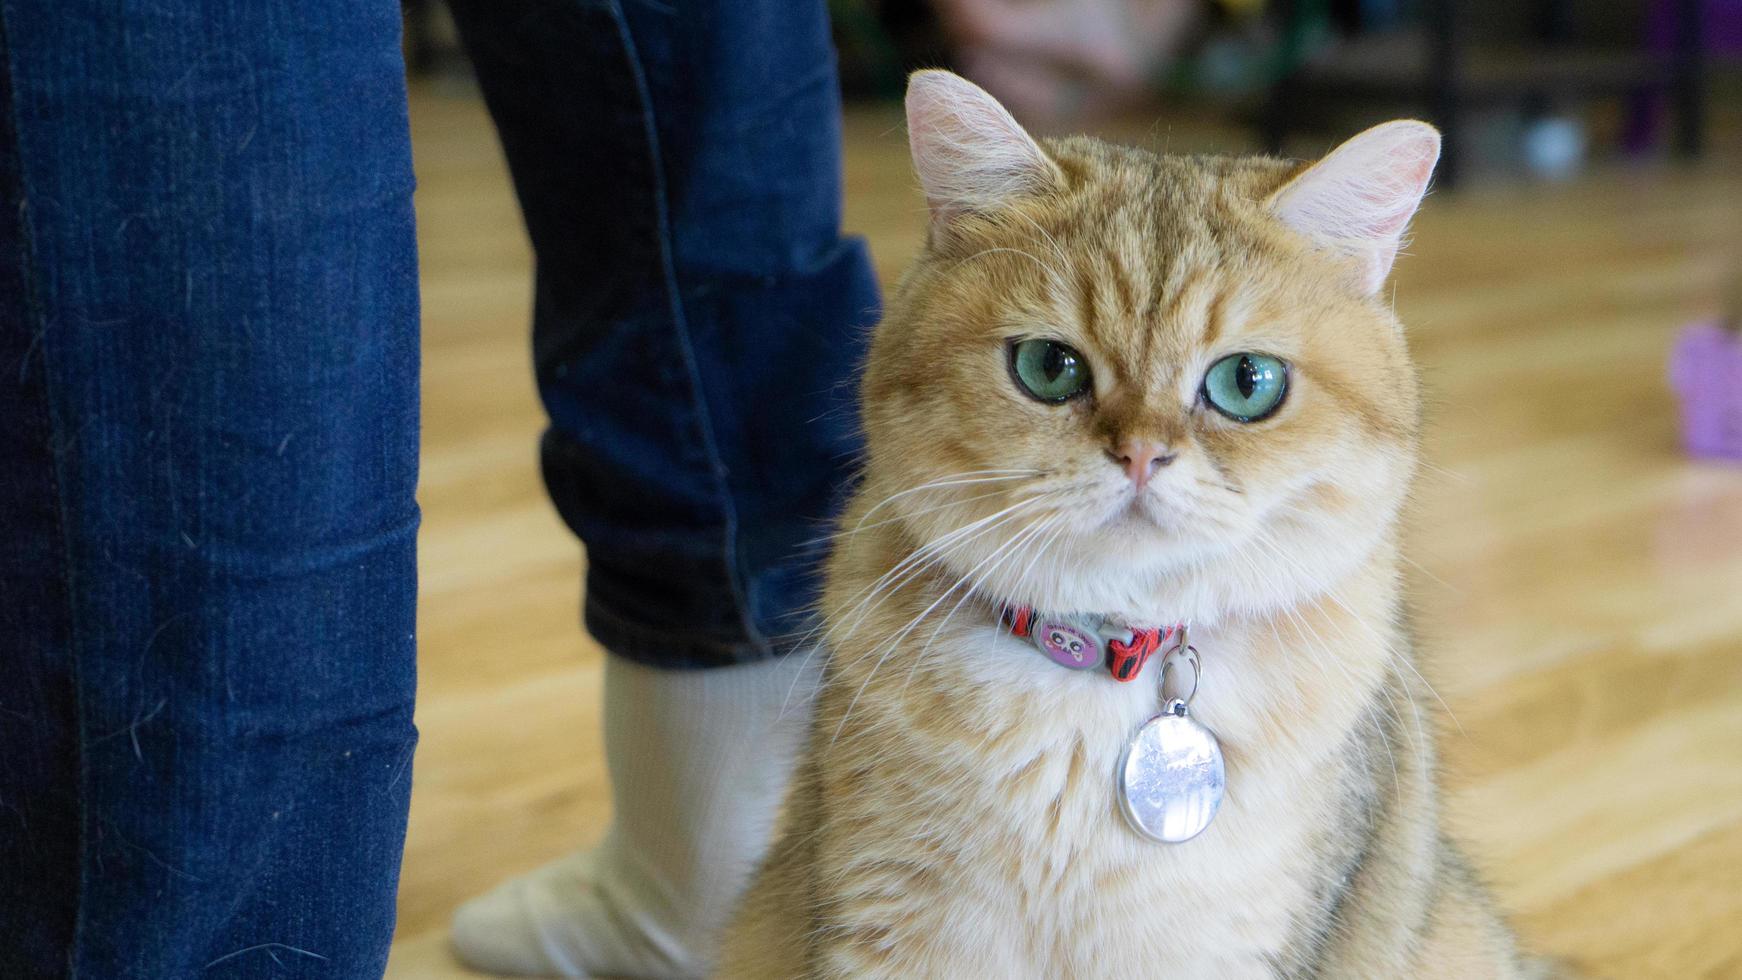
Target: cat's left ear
point(1358, 200)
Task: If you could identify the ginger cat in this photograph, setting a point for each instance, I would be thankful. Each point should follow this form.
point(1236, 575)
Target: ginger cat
point(1147, 391)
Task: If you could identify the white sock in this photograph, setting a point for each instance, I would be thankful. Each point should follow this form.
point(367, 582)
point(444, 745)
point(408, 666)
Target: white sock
point(699, 761)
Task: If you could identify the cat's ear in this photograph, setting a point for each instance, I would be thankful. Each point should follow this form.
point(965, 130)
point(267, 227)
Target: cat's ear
point(1358, 200)
point(970, 154)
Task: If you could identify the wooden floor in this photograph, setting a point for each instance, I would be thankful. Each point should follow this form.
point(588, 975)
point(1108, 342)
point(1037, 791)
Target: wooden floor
point(1579, 589)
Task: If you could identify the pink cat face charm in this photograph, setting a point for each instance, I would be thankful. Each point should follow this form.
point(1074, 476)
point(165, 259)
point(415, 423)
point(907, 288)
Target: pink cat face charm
point(1068, 645)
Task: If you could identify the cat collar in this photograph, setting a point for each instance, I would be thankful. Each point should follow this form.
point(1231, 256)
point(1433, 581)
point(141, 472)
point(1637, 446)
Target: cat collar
point(1087, 642)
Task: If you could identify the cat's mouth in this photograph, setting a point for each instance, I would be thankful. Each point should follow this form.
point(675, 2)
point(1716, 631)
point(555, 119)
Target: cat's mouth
point(1143, 511)
point(1150, 519)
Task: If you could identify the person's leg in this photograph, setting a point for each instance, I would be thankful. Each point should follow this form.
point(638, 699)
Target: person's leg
point(208, 436)
point(698, 321)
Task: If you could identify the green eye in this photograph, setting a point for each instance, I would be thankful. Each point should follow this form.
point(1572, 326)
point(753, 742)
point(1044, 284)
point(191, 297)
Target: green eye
point(1048, 370)
point(1246, 387)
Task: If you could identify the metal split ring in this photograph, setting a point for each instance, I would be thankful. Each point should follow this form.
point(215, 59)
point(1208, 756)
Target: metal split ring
point(1182, 652)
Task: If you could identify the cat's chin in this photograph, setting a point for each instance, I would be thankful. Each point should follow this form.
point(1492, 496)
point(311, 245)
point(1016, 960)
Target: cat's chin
point(1146, 574)
point(1138, 572)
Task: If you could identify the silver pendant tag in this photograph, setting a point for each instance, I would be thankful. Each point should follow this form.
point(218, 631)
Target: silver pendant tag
point(1170, 776)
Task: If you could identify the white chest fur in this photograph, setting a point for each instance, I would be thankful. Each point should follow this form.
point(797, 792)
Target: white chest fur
point(999, 808)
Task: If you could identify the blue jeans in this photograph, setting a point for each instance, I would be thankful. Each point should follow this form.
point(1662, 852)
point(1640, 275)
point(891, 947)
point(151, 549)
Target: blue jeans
point(697, 316)
point(208, 426)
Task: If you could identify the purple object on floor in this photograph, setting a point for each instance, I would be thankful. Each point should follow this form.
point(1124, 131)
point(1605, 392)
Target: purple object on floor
point(1706, 368)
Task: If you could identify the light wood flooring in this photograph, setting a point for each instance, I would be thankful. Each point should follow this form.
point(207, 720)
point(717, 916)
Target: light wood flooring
point(1579, 591)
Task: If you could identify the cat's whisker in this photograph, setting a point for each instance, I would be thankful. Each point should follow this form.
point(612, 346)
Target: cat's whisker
point(857, 529)
point(1322, 658)
point(1455, 590)
point(890, 645)
point(1396, 657)
point(1052, 525)
point(937, 544)
point(1462, 479)
point(953, 480)
point(1045, 548)
point(1007, 544)
point(1054, 275)
point(941, 543)
point(1052, 243)
point(1383, 644)
point(930, 552)
point(1047, 235)
point(1321, 655)
point(1323, 663)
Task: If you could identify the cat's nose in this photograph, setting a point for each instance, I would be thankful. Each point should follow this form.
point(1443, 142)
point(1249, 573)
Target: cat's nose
point(1140, 459)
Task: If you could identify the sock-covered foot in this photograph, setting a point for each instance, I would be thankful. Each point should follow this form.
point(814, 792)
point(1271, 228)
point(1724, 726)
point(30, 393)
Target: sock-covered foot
point(698, 761)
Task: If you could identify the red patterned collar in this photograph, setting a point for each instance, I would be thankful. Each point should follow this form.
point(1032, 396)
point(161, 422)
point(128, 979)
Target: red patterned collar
point(1087, 642)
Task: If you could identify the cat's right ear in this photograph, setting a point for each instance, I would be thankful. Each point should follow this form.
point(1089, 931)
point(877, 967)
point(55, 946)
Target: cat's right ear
point(970, 154)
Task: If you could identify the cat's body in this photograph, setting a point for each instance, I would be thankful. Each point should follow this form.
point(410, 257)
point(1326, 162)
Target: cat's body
point(955, 814)
point(968, 828)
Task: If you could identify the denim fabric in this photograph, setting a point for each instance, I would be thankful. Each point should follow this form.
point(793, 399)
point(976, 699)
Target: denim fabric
point(698, 318)
point(208, 397)
point(208, 436)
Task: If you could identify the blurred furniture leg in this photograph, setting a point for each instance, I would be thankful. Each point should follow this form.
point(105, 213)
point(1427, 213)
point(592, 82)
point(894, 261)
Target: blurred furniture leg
point(1687, 78)
point(1279, 108)
point(1444, 100)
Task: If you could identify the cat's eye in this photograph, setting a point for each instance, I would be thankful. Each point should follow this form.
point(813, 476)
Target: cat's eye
point(1048, 370)
point(1246, 387)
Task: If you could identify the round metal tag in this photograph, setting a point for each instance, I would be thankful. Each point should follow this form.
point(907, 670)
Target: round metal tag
point(1171, 777)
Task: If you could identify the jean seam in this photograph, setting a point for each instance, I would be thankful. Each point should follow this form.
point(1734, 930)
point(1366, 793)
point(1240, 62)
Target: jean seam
point(680, 328)
point(36, 321)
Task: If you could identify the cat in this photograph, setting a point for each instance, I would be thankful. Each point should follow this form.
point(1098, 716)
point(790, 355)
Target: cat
point(1143, 390)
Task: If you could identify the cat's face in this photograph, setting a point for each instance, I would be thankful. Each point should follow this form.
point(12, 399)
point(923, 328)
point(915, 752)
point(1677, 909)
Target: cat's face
point(1159, 397)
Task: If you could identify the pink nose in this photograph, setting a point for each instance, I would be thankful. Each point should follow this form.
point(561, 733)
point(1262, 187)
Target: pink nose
point(1140, 460)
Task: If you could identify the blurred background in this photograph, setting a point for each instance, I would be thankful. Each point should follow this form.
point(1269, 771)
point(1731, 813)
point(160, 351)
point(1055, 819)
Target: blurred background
point(1572, 296)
